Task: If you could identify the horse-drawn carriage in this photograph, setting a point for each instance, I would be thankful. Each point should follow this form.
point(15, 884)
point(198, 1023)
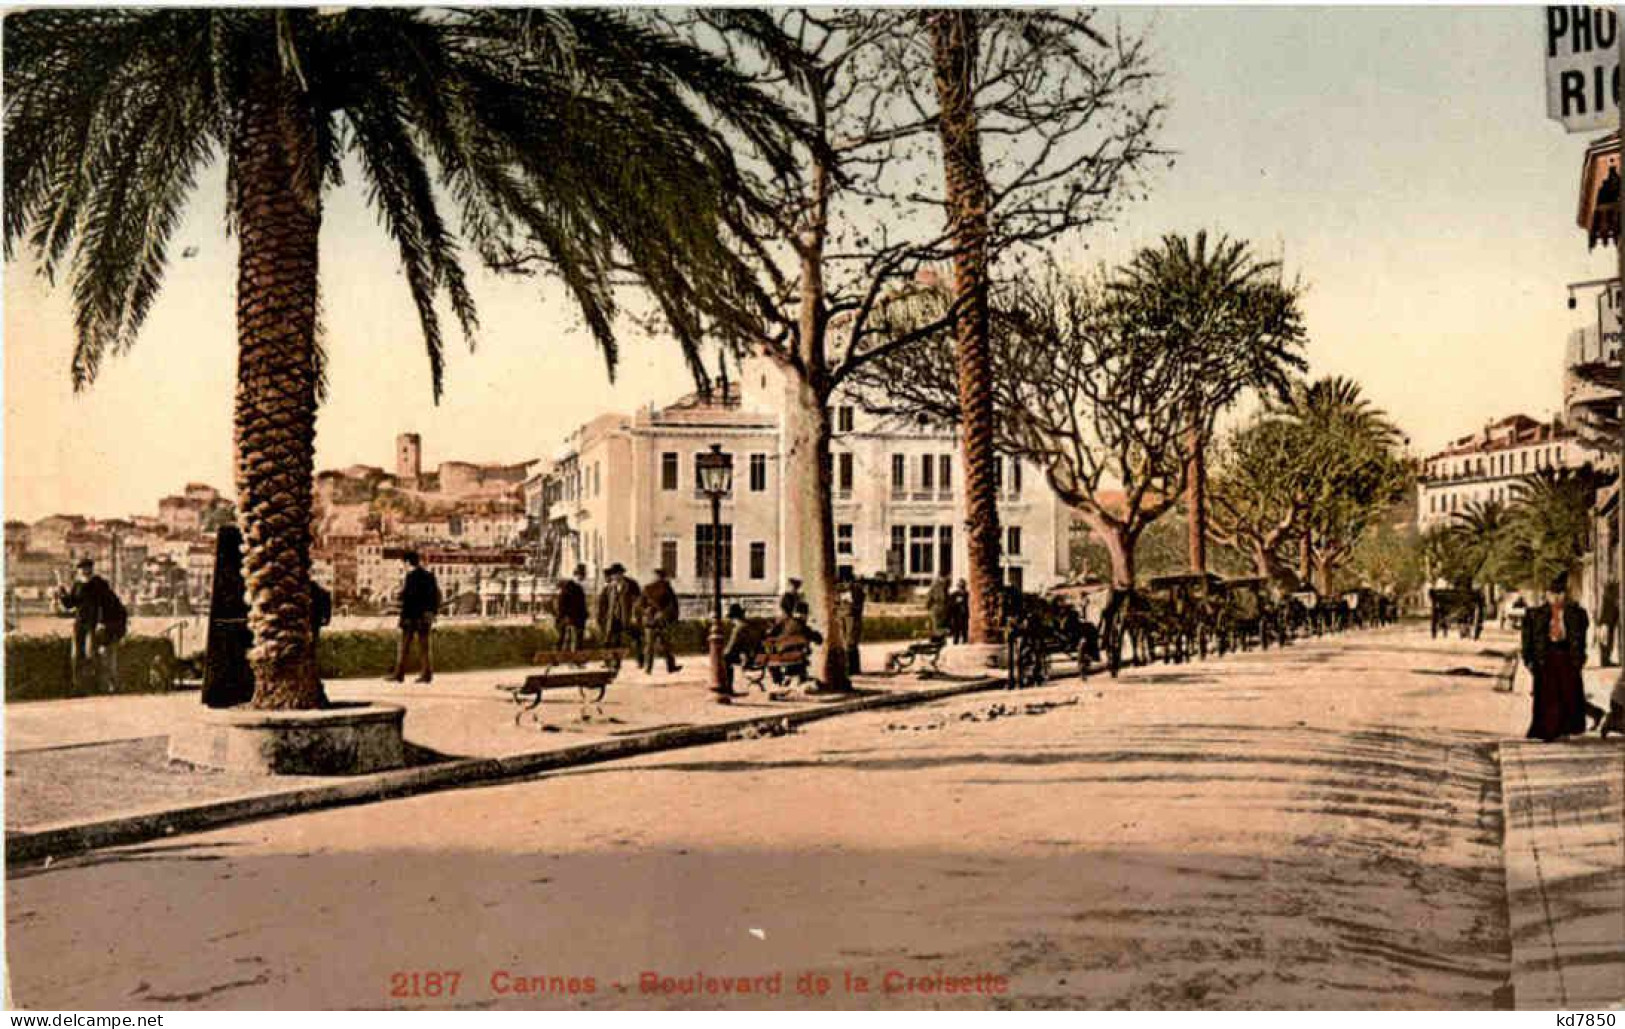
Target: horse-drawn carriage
point(1248, 615)
point(1461, 608)
point(1039, 629)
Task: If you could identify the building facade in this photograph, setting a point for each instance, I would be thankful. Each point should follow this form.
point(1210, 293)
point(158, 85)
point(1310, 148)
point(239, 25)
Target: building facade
point(1485, 466)
point(626, 491)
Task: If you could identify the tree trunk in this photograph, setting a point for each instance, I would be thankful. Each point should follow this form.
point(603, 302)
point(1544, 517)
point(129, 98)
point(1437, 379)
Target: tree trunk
point(809, 539)
point(1196, 496)
point(278, 210)
point(954, 43)
point(1306, 563)
point(1120, 547)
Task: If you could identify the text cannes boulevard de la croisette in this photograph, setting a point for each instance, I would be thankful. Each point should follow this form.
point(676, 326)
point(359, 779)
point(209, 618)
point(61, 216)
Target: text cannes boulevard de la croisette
point(452, 984)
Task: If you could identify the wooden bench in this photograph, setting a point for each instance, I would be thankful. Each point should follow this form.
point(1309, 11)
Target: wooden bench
point(789, 654)
point(927, 652)
point(589, 672)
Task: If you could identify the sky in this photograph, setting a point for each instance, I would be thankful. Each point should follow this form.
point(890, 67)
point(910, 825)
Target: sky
point(1399, 160)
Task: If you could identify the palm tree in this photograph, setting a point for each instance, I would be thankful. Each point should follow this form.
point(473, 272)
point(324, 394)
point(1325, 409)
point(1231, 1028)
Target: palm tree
point(581, 133)
point(1218, 299)
point(1481, 531)
point(1549, 523)
point(1344, 440)
point(954, 41)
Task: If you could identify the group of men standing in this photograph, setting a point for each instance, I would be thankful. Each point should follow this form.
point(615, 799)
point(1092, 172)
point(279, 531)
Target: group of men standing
point(627, 615)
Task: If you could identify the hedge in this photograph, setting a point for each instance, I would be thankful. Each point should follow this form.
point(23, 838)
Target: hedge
point(39, 667)
point(355, 654)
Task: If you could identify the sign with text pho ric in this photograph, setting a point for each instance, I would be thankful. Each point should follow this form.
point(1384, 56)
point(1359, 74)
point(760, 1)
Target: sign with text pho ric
point(1582, 67)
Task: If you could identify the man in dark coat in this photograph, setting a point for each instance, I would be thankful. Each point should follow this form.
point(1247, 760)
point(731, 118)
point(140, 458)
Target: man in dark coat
point(570, 610)
point(1554, 651)
point(99, 622)
point(791, 599)
point(959, 612)
point(618, 609)
point(420, 603)
point(660, 612)
point(744, 640)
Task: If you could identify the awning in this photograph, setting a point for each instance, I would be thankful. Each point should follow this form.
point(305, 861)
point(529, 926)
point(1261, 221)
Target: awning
point(1599, 191)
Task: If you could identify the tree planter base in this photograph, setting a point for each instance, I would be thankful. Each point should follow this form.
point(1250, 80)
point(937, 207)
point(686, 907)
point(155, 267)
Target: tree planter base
point(971, 658)
point(349, 739)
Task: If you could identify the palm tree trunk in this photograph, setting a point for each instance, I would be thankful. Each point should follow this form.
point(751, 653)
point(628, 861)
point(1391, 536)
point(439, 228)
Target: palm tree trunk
point(954, 43)
point(1196, 496)
point(278, 210)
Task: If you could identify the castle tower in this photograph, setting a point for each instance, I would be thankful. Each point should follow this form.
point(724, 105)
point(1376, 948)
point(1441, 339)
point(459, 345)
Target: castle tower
point(408, 457)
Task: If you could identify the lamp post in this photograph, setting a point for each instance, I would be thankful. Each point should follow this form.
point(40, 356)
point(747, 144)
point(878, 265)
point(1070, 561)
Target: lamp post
point(716, 472)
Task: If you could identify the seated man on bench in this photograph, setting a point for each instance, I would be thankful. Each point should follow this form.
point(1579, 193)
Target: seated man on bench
point(744, 642)
point(788, 634)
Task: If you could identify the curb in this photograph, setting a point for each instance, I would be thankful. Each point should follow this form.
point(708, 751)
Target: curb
point(1557, 961)
point(72, 837)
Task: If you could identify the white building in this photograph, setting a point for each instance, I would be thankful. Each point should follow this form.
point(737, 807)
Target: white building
point(1485, 466)
point(626, 491)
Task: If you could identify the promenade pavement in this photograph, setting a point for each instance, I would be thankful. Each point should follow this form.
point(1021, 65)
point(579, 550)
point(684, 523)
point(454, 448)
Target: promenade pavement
point(95, 757)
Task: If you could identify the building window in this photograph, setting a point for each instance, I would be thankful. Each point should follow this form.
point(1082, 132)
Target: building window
point(1015, 577)
point(945, 474)
point(702, 551)
point(758, 560)
point(668, 556)
point(920, 540)
point(758, 473)
point(843, 540)
point(843, 472)
point(894, 556)
point(1525, 461)
point(899, 475)
point(945, 549)
point(998, 472)
point(1015, 478)
point(843, 418)
point(1012, 541)
point(668, 470)
point(928, 469)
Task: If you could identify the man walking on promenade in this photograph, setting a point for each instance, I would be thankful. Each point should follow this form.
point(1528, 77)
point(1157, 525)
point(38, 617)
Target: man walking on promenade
point(99, 622)
point(570, 610)
point(660, 612)
point(420, 603)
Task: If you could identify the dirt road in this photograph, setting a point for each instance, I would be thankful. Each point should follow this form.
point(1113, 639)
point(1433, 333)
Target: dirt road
point(1318, 828)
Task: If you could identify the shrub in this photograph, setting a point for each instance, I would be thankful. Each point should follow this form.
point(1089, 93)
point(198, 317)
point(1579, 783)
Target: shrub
point(39, 667)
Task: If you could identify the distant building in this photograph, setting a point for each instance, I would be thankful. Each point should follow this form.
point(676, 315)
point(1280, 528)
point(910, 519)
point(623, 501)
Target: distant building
point(626, 490)
point(1485, 466)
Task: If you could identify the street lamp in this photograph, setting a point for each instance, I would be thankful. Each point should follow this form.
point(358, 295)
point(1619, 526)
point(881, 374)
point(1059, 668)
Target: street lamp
point(716, 474)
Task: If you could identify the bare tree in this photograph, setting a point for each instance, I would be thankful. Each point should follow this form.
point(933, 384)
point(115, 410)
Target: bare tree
point(1081, 391)
point(1257, 498)
point(1066, 110)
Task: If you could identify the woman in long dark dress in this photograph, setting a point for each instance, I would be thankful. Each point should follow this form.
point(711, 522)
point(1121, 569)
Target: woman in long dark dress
point(1554, 651)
